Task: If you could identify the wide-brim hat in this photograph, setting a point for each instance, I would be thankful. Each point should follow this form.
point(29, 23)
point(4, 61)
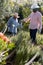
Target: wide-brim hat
point(16, 15)
point(34, 6)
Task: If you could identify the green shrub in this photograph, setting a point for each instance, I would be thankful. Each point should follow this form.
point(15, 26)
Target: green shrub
point(24, 12)
point(36, 63)
point(24, 49)
point(42, 10)
point(26, 26)
point(4, 47)
point(2, 24)
point(39, 39)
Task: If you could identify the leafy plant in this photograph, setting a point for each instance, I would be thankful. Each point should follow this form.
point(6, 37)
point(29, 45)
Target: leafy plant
point(4, 49)
point(39, 39)
point(24, 49)
point(36, 63)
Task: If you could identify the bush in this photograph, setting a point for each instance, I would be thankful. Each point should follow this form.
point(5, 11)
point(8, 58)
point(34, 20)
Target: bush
point(24, 49)
point(42, 10)
point(4, 47)
point(36, 63)
point(26, 26)
point(24, 12)
point(2, 24)
point(39, 39)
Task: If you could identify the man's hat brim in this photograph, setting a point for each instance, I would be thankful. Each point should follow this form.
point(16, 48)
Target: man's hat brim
point(34, 6)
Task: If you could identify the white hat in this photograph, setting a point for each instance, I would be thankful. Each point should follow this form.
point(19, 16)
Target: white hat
point(34, 6)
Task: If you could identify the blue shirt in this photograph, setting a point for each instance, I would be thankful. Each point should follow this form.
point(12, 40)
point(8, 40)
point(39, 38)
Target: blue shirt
point(12, 24)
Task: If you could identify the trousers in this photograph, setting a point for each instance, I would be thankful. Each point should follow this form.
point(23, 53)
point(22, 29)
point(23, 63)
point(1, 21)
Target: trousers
point(33, 34)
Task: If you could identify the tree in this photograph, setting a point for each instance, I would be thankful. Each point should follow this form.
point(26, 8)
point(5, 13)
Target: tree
point(1, 8)
point(6, 7)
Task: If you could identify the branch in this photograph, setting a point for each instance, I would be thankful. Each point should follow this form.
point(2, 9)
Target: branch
point(5, 29)
point(32, 59)
point(2, 53)
point(10, 54)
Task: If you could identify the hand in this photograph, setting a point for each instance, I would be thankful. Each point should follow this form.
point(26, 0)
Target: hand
point(38, 26)
point(24, 20)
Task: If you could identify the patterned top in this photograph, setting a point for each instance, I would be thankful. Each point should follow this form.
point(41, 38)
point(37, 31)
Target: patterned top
point(35, 20)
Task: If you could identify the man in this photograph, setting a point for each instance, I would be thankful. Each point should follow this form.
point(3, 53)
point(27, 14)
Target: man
point(35, 22)
point(13, 24)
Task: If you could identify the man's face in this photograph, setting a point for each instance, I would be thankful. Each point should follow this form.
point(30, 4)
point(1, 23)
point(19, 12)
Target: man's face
point(15, 17)
point(35, 10)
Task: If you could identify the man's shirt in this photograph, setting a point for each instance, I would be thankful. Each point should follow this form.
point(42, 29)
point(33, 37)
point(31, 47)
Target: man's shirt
point(12, 24)
point(35, 19)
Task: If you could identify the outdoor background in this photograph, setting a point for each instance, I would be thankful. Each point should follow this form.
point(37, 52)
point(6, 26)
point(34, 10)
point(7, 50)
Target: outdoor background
point(21, 46)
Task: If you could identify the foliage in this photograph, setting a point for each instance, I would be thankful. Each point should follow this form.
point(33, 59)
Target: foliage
point(1, 8)
point(42, 9)
point(4, 47)
point(2, 24)
point(36, 63)
point(39, 39)
point(6, 7)
point(26, 26)
point(21, 12)
point(24, 49)
point(24, 12)
point(22, 35)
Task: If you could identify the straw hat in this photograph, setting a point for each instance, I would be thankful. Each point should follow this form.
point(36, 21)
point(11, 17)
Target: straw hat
point(34, 6)
point(16, 15)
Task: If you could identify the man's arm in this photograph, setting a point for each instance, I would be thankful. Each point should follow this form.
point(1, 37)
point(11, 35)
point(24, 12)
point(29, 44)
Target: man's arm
point(40, 21)
point(26, 19)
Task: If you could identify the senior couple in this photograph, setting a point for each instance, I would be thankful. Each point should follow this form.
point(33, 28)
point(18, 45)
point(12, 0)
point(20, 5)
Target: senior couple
point(35, 19)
